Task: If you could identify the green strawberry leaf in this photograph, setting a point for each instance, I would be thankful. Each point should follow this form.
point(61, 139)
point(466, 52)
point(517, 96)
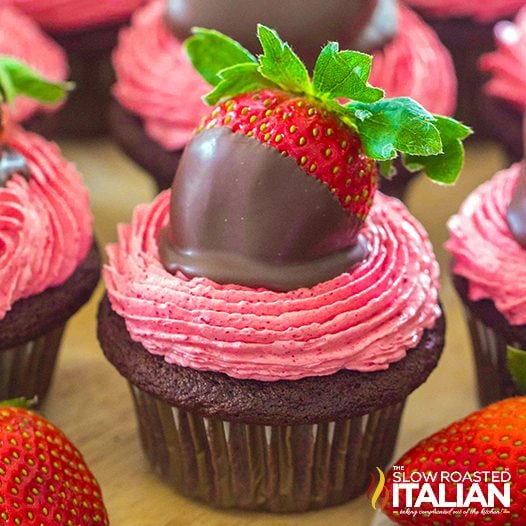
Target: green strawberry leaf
point(18, 79)
point(443, 168)
point(280, 64)
point(344, 74)
point(517, 368)
point(238, 79)
point(210, 52)
point(399, 124)
point(23, 403)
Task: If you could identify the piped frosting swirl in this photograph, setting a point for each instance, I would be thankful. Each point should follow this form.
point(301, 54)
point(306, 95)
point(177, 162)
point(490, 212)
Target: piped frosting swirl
point(507, 65)
point(478, 10)
point(45, 223)
point(71, 15)
point(485, 251)
point(362, 320)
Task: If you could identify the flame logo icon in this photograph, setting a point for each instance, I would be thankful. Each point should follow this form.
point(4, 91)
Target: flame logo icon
point(377, 489)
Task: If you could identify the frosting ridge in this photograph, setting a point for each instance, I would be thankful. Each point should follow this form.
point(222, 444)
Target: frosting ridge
point(70, 15)
point(45, 223)
point(484, 250)
point(361, 320)
point(156, 81)
point(507, 64)
point(21, 38)
point(478, 10)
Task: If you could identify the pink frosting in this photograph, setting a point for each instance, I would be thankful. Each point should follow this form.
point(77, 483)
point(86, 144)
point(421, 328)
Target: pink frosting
point(507, 65)
point(45, 224)
point(363, 320)
point(156, 81)
point(479, 10)
point(484, 250)
point(416, 64)
point(71, 15)
point(21, 38)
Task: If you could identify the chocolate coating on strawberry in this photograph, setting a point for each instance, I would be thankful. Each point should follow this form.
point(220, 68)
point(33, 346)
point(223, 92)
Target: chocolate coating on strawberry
point(306, 24)
point(242, 213)
point(12, 162)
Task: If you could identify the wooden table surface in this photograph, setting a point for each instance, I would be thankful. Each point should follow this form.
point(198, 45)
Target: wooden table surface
point(91, 403)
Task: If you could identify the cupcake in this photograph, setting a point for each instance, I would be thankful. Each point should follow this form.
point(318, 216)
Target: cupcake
point(21, 38)
point(88, 31)
point(506, 90)
point(466, 28)
point(158, 94)
point(270, 328)
point(49, 264)
point(488, 245)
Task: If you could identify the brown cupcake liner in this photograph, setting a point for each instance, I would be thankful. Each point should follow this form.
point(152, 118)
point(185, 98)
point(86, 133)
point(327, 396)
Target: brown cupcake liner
point(490, 354)
point(261, 467)
point(26, 370)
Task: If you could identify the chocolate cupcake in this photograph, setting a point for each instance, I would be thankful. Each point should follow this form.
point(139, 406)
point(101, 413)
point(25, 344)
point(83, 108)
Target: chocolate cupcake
point(21, 38)
point(88, 31)
point(49, 264)
point(466, 28)
point(488, 245)
point(158, 94)
point(505, 93)
point(269, 327)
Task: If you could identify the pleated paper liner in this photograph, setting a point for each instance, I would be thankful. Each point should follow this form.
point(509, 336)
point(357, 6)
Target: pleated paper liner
point(490, 355)
point(258, 467)
point(27, 369)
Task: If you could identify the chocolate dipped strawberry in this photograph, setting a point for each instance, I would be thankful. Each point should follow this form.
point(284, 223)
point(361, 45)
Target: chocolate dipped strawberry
point(43, 477)
point(474, 450)
point(304, 155)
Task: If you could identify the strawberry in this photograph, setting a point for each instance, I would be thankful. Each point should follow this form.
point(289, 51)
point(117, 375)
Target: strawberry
point(334, 125)
point(43, 477)
point(491, 440)
point(313, 136)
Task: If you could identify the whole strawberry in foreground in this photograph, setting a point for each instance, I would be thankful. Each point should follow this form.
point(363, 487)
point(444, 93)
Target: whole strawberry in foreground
point(492, 441)
point(43, 477)
point(272, 98)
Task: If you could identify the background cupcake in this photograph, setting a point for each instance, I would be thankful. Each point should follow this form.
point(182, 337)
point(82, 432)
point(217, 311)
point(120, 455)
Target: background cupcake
point(49, 264)
point(269, 332)
point(506, 90)
point(488, 246)
point(159, 94)
point(466, 28)
point(21, 38)
point(87, 30)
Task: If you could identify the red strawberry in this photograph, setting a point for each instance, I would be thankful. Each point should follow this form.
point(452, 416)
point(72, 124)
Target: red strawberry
point(43, 478)
point(313, 136)
point(490, 440)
